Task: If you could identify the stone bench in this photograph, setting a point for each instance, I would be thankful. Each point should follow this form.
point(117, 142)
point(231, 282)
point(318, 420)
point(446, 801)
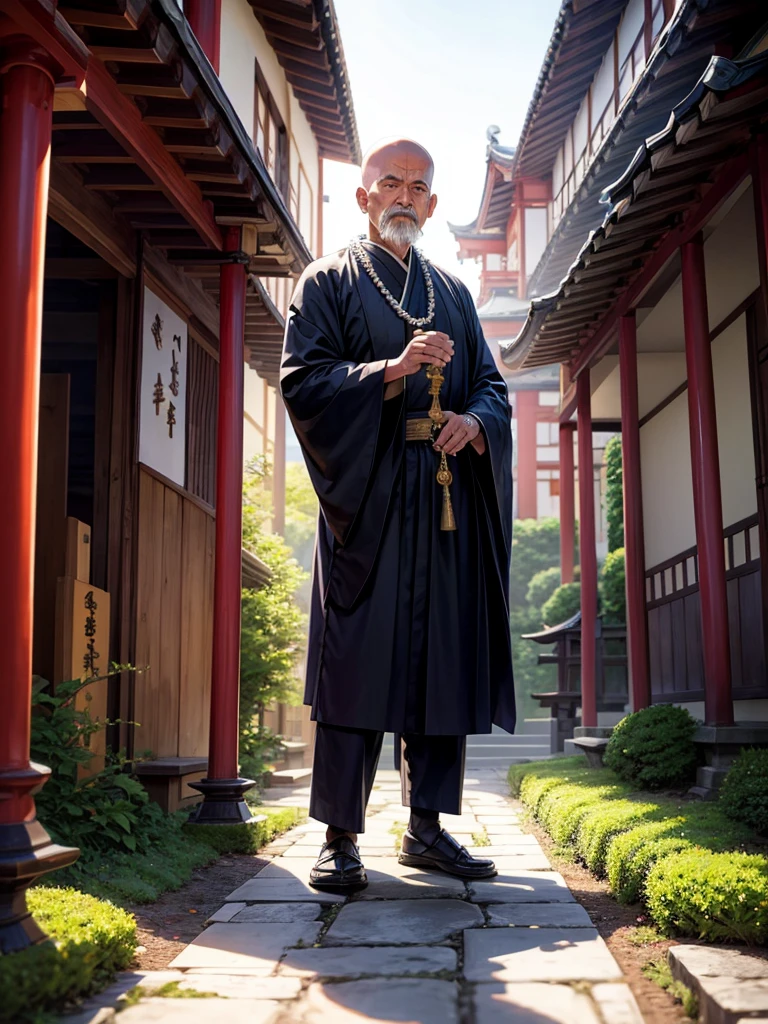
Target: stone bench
point(593, 748)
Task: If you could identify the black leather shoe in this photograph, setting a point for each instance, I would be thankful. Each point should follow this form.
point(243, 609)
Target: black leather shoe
point(444, 854)
point(339, 868)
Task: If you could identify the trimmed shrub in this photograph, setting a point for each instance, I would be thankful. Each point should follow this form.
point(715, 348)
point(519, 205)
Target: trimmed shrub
point(654, 748)
point(542, 586)
point(613, 594)
point(718, 897)
point(562, 605)
point(602, 824)
point(744, 793)
point(89, 941)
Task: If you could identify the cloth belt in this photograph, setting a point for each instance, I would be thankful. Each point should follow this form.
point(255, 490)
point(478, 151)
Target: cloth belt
point(418, 429)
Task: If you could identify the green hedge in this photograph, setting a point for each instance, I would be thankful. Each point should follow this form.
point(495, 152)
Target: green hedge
point(684, 860)
point(248, 837)
point(90, 939)
point(744, 793)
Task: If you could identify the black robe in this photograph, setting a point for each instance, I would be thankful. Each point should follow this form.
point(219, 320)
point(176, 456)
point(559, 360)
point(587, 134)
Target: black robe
point(409, 624)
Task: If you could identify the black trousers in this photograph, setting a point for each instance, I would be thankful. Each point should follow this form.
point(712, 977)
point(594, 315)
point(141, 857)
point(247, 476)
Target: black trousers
point(345, 762)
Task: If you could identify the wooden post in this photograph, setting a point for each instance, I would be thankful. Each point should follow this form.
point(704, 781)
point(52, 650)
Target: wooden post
point(587, 553)
point(204, 17)
point(634, 536)
point(567, 503)
point(223, 790)
point(707, 498)
point(26, 851)
point(526, 404)
point(278, 469)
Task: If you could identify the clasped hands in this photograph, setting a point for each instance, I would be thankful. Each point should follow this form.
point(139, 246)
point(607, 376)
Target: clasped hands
point(436, 348)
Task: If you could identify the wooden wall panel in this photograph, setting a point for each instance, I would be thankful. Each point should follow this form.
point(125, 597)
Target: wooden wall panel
point(203, 383)
point(174, 626)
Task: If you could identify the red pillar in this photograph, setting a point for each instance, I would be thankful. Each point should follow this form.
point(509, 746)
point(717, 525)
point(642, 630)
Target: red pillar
point(222, 788)
point(587, 552)
point(26, 851)
point(634, 537)
point(526, 403)
point(204, 17)
point(567, 503)
point(707, 499)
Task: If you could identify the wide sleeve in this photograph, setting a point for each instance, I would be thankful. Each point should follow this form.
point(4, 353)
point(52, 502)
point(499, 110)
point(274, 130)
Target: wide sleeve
point(334, 399)
point(488, 400)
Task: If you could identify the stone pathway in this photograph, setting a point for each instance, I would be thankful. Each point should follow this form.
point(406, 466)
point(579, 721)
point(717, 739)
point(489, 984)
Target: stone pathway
point(414, 947)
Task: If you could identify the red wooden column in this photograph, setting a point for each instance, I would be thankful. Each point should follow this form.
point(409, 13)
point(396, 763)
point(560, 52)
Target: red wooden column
point(526, 404)
point(204, 17)
point(587, 552)
point(634, 535)
point(26, 851)
point(707, 498)
point(223, 790)
point(567, 503)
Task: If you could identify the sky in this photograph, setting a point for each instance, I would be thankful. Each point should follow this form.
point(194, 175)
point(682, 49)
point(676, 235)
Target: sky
point(439, 71)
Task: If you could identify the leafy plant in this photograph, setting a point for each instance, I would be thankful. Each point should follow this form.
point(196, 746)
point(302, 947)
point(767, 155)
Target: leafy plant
point(543, 586)
point(562, 605)
point(614, 494)
point(744, 793)
point(301, 509)
point(89, 941)
point(654, 748)
point(535, 546)
point(613, 593)
point(659, 972)
point(247, 837)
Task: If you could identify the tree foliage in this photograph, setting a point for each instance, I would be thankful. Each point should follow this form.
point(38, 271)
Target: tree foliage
point(562, 605)
point(542, 586)
point(614, 494)
point(300, 513)
point(613, 596)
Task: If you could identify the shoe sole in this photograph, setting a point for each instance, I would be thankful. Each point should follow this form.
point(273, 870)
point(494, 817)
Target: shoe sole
point(413, 860)
point(339, 888)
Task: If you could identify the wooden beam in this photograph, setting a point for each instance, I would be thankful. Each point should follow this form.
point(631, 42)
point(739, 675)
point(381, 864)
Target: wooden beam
point(201, 307)
point(123, 120)
point(45, 25)
point(90, 218)
point(126, 22)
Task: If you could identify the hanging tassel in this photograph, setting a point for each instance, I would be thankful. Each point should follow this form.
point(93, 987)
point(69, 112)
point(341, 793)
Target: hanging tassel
point(445, 479)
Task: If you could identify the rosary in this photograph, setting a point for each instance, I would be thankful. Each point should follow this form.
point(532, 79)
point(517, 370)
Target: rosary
point(435, 377)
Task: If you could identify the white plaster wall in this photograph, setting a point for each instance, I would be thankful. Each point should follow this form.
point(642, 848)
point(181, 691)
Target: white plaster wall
point(666, 460)
point(535, 237)
point(743, 710)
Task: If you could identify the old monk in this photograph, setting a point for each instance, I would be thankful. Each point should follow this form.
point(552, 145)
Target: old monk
point(404, 422)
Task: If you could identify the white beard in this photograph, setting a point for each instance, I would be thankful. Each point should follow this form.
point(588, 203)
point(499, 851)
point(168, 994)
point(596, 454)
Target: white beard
point(399, 230)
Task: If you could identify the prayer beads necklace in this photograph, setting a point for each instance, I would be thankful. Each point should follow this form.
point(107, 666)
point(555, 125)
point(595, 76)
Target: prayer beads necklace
point(362, 257)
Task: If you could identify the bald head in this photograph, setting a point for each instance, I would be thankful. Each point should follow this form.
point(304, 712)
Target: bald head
point(402, 158)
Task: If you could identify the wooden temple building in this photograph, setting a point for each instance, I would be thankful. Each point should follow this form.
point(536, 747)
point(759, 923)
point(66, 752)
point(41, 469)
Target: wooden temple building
point(160, 189)
point(649, 128)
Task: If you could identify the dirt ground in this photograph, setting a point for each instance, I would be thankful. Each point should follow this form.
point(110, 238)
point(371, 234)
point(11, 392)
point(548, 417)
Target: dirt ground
point(167, 926)
point(614, 922)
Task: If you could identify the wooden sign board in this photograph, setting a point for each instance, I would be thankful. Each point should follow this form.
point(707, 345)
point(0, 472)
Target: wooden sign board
point(82, 649)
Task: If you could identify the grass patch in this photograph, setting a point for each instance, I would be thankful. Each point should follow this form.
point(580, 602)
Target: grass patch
point(248, 837)
point(686, 861)
point(397, 829)
point(659, 972)
point(481, 838)
point(644, 935)
point(90, 940)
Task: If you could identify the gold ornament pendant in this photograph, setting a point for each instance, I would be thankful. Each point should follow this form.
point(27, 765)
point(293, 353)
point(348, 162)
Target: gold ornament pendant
point(444, 476)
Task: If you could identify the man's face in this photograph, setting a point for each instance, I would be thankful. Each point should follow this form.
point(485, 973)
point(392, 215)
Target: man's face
point(397, 195)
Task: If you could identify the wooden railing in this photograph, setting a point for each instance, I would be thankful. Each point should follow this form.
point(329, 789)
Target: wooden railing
point(674, 619)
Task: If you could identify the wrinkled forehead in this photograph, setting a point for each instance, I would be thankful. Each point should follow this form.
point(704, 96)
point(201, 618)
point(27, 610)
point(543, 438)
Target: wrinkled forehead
point(405, 162)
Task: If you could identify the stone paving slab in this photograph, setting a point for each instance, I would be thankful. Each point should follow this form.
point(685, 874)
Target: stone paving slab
point(407, 1000)
point(225, 913)
point(522, 887)
point(617, 1004)
point(509, 864)
point(269, 913)
point(730, 983)
point(533, 1004)
point(538, 954)
point(255, 946)
point(400, 921)
point(386, 878)
point(201, 1011)
point(539, 915)
point(228, 986)
point(342, 961)
point(510, 842)
point(275, 890)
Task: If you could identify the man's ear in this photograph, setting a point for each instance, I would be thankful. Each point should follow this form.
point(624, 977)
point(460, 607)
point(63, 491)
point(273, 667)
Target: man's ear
point(432, 205)
point(362, 199)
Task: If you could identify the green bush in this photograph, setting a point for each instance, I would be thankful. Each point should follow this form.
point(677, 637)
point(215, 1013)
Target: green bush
point(744, 793)
point(614, 494)
point(717, 897)
point(602, 824)
point(247, 837)
point(89, 941)
point(543, 586)
point(613, 594)
point(562, 605)
point(654, 748)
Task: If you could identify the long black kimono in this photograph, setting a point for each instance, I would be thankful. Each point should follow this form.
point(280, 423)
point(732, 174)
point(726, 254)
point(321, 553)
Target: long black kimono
point(409, 624)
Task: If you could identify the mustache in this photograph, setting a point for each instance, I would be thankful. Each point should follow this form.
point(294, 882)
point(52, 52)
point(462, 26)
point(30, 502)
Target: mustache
point(398, 211)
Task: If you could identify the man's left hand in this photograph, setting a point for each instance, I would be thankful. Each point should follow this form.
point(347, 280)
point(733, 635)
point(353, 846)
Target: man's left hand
point(459, 431)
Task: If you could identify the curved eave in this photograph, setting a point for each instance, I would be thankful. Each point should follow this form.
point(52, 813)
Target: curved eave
point(496, 201)
point(552, 634)
point(712, 125)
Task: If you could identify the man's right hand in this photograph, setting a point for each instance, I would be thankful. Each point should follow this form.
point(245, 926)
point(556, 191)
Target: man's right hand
point(427, 347)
